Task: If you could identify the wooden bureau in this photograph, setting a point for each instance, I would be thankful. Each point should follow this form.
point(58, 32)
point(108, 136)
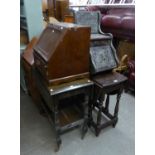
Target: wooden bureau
point(62, 53)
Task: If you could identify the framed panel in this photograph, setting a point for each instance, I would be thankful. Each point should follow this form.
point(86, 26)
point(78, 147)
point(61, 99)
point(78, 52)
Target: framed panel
point(102, 59)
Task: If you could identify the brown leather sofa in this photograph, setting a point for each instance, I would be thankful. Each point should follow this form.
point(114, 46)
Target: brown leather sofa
point(118, 21)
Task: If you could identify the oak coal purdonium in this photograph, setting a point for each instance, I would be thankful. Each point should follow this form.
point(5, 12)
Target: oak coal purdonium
point(103, 61)
point(106, 83)
point(61, 58)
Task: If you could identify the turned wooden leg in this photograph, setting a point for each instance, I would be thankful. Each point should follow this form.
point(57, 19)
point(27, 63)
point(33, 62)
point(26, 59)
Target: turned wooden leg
point(85, 109)
point(99, 115)
point(56, 124)
point(90, 107)
point(107, 104)
point(117, 107)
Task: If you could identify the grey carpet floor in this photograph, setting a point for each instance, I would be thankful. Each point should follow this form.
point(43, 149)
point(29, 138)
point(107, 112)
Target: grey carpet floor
point(37, 136)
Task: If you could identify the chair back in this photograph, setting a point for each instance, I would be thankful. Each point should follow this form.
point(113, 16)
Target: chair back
point(88, 18)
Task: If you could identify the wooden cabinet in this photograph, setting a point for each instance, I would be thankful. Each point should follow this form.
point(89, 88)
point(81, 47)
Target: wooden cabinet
point(62, 53)
point(62, 8)
point(28, 65)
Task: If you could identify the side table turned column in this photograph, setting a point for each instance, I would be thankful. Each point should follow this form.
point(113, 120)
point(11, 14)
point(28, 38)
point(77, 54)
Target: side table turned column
point(106, 84)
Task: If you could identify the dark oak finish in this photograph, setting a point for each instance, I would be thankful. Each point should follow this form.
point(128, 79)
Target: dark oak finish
point(52, 97)
point(28, 65)
point(62, 53)
point(106, 84)
point(51, 7)
point(62, 8)
point(103, 60)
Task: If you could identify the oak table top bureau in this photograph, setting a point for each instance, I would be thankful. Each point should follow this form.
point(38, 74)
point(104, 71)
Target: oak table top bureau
point(61, 58)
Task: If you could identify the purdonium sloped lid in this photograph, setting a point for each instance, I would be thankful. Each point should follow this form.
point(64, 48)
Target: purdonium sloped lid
point(102, 58)
point(49, 40)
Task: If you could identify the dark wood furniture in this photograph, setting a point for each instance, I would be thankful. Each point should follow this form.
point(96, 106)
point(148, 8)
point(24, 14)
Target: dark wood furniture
point(51, 7)
point(54, 96)
point(62, 8)
point(103, 61)
point(62, 53)
point(61, 57)
point(106, 84)
point(28, 66)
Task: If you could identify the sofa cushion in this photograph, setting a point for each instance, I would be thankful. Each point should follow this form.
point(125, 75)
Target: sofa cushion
point(112, 21)
point(119, 22)
point(128, 23)
point(122, 11)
